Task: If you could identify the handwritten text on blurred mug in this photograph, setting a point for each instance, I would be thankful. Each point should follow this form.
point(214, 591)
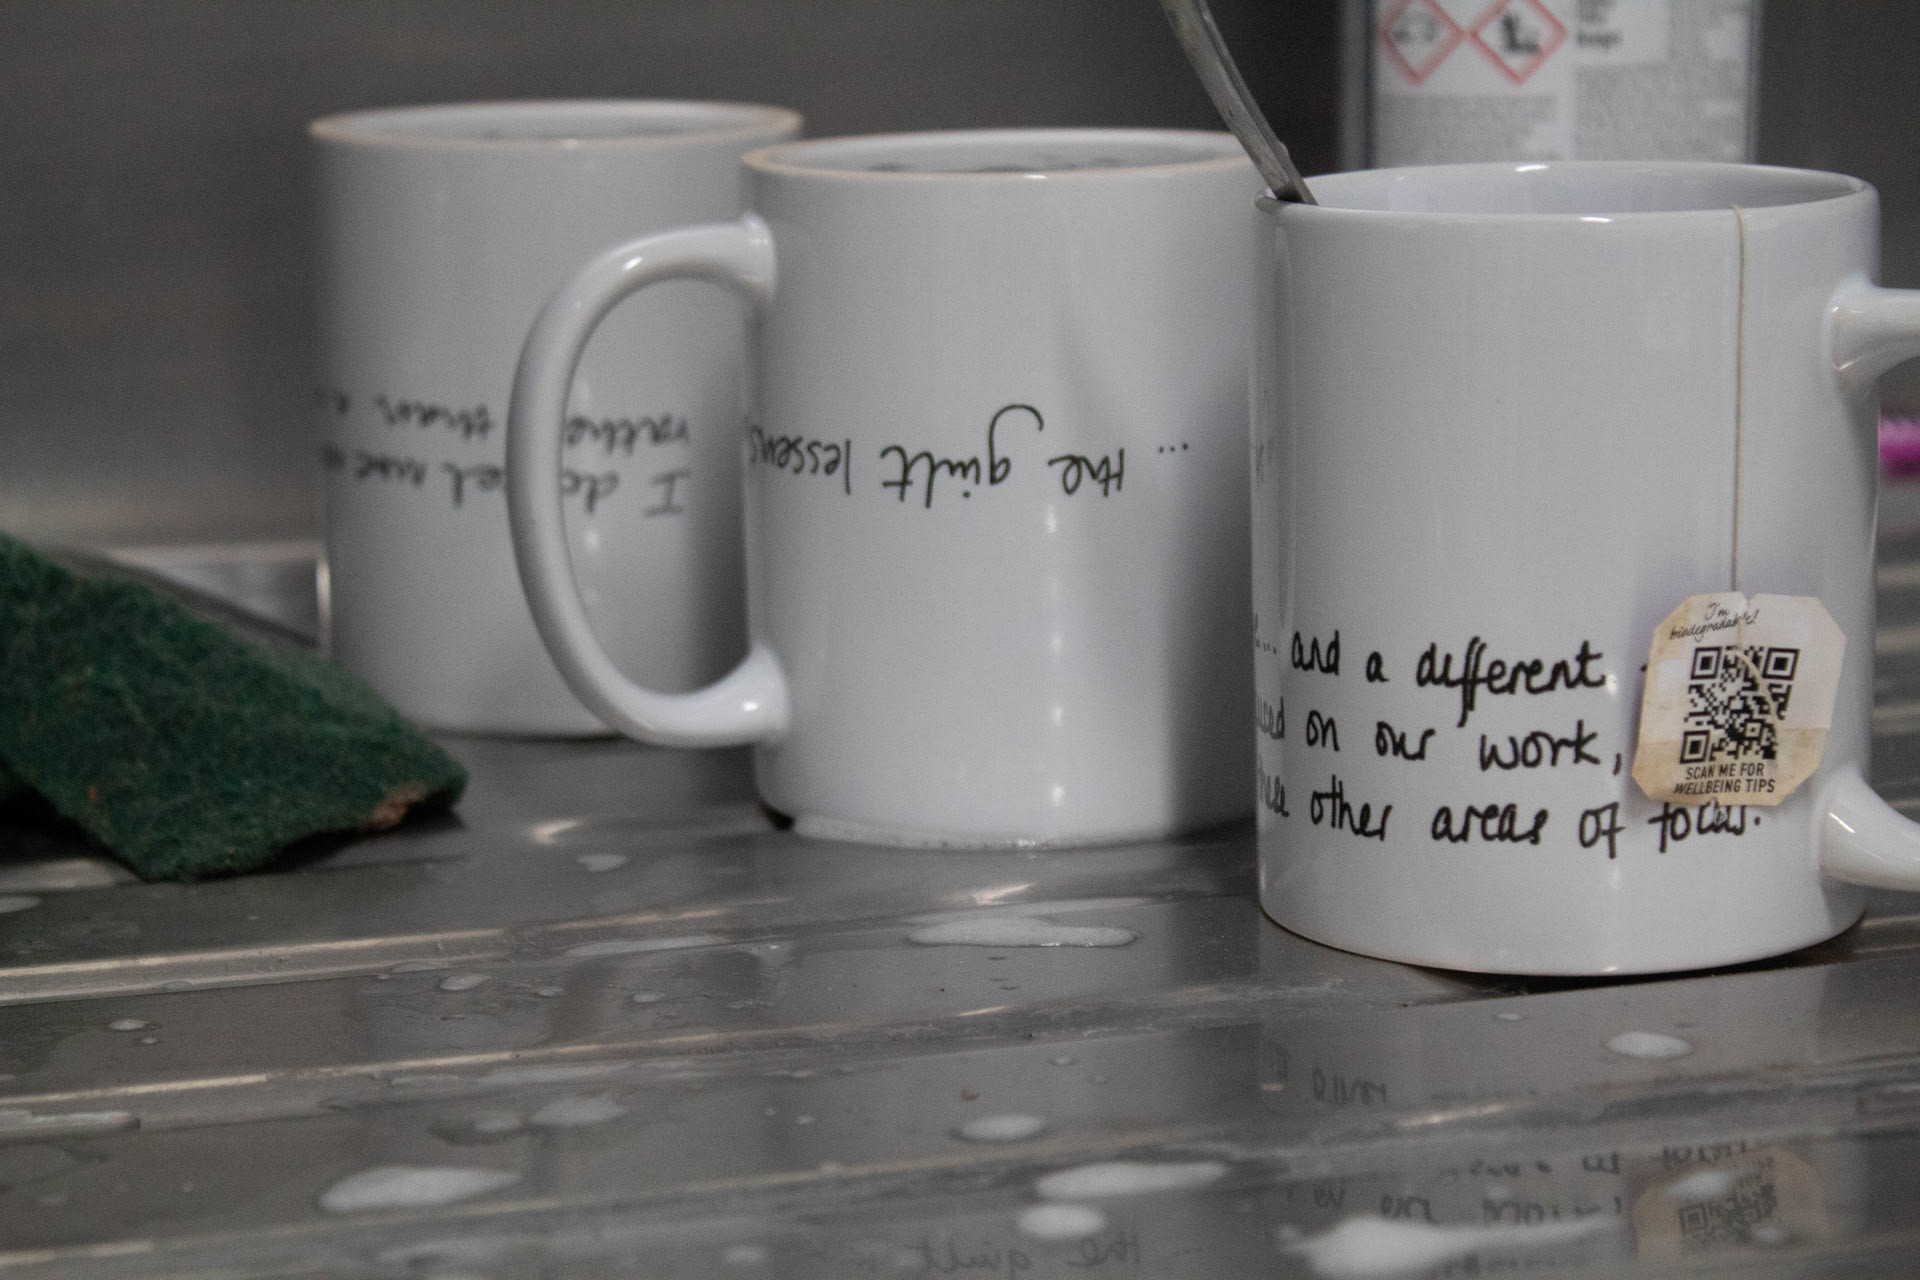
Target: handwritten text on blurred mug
point(443, 229)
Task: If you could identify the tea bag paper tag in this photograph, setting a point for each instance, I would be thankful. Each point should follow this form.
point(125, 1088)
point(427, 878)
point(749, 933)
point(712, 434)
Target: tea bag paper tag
point(1739, 698)
point(1753, 1198)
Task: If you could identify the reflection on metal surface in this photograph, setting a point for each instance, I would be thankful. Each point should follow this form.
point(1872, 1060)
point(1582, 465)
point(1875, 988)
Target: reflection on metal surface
point(607, 1020)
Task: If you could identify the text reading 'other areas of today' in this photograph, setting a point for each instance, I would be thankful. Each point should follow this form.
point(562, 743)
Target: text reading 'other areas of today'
point(1451, 686)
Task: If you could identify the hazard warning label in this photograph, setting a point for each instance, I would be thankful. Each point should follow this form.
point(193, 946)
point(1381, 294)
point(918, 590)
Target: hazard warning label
point(1471, 80)
point(1543, 80)
point(1519, 36)
point(1417, 35)
point(1515, 37)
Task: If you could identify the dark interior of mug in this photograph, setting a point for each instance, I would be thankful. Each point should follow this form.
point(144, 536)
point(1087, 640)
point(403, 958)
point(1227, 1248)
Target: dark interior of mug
point(509, 122)
point(1010, 151)
point(1592, 189)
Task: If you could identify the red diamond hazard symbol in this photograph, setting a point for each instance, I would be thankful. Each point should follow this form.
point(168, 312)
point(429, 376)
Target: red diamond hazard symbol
point(1417, 36)
point(1519, 35)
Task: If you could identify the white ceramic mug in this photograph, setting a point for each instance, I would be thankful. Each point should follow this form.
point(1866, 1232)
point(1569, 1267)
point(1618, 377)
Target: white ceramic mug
point(995, 514)
point(1510, 415)
point(442, 230)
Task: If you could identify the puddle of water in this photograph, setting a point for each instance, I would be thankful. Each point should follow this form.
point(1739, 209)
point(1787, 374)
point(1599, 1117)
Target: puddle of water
point(1007, 1128)
point(1127, 1178)
point(1377, 1247)
point(479, 1127)
point(1018, 931)
point(1651, 1045)
point(1061, 1222)
point(403, 1186)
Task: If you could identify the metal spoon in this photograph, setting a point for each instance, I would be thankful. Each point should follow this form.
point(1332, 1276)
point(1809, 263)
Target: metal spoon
point(1193, 23)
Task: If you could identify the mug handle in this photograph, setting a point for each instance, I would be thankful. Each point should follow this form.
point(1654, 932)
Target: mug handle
point(749, 703)
point(1863, 839)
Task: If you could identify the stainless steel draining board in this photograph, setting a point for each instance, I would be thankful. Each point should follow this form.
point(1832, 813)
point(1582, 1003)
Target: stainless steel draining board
point(648, 1034)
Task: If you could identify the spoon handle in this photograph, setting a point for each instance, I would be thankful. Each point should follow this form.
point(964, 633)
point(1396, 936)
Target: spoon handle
point(1193, 23)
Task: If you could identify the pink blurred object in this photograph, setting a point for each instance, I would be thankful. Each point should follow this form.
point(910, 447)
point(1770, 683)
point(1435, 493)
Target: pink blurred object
point(1900, 445)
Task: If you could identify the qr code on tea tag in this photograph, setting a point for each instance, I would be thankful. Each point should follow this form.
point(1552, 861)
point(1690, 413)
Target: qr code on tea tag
point(1727, 1200)
point(1739, 699)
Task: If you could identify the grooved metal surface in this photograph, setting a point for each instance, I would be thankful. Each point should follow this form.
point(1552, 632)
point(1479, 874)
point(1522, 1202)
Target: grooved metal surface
point(615, 1023)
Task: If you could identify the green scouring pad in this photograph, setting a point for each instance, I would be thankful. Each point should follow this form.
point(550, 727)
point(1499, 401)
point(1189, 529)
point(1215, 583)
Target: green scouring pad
point(184, 750)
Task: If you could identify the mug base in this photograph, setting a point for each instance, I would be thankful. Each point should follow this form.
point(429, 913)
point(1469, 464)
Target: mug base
point(544, 731)
point(1609, 965)
point(819, 828)
point(548, 718)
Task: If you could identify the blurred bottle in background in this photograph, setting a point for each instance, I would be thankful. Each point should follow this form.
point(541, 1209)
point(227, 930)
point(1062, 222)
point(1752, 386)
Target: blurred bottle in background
point(1434, 81)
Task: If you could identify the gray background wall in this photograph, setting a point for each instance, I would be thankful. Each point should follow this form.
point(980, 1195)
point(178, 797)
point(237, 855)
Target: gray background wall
point(154, 268)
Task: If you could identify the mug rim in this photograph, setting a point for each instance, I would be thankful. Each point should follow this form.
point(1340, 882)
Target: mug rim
point(1211, 151)
point(1837, 186)
point(448, 126)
